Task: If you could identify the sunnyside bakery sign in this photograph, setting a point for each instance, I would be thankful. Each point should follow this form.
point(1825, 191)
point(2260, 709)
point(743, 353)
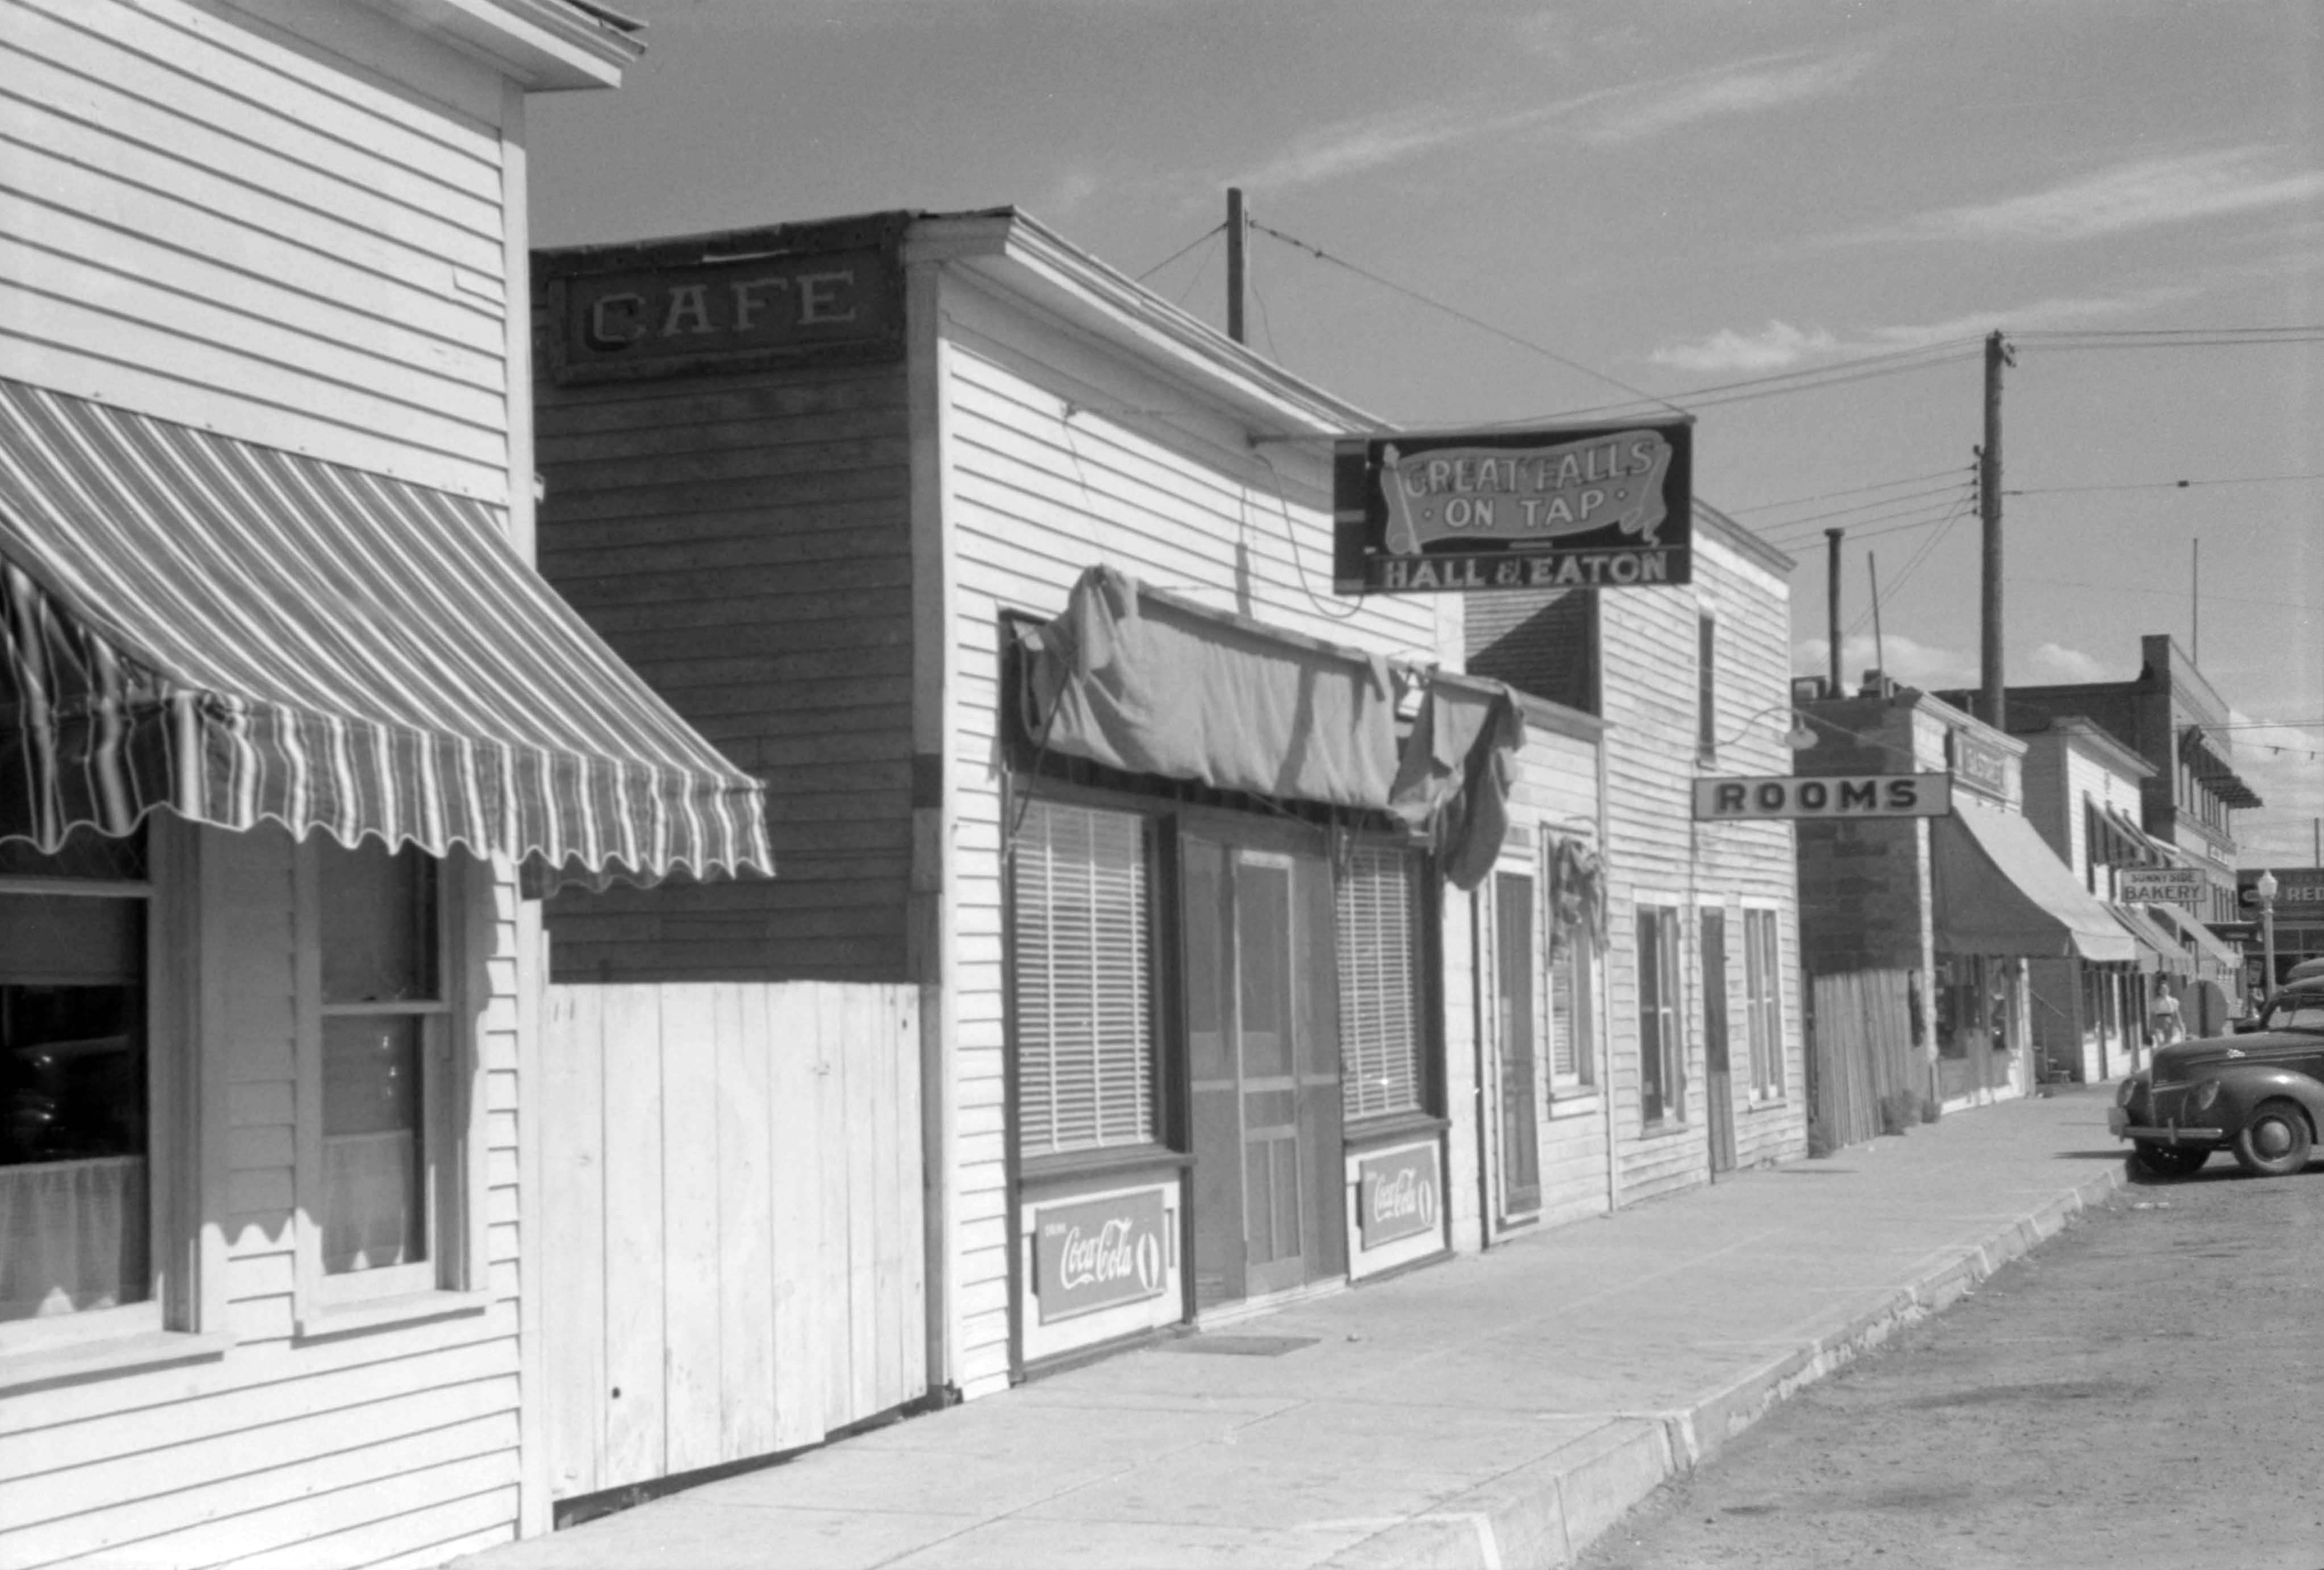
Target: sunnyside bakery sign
point(1099, 1253)
point(1604, 506)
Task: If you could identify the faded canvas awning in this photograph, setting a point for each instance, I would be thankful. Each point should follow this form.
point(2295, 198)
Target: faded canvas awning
point(239, 633)
point(2000, 890)
point(1140, 679)
point(2211, 953)
point(1459, 765)
point(2158, 854)
point(2157, 949)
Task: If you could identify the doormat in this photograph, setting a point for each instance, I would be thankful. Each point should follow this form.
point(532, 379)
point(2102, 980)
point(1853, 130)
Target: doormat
point(1240, 1345)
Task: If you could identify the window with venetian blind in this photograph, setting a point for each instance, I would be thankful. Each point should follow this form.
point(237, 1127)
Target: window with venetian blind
point(1572, 1051)
point(1082, 950)
point(1763, 1003)
point(1379, 987)
point(1660, 1069)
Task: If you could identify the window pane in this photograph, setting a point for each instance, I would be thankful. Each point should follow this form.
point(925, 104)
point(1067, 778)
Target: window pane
point(379, 924)
point(1083, 980)
point(73, 1205)
point(371, 1140)
point(1380, 999)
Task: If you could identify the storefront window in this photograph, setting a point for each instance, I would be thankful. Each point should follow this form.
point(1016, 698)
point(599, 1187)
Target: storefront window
point(1082, 947)
point(74, 1205)
point(1379, 987)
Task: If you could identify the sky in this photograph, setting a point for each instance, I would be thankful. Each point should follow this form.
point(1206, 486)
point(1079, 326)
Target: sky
point(1797, 221)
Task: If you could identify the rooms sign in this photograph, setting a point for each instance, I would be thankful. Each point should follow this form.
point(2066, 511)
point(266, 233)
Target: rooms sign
point(1825, 796)
point(1606, 506)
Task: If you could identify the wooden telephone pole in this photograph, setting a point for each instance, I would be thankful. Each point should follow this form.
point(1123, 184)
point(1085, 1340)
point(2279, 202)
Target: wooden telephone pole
point(1237, 227)
point(1989, 507)
point(1831, 604)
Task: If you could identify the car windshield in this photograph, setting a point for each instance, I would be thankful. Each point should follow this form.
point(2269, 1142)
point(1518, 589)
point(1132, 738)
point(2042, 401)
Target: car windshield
point(2305, 1014)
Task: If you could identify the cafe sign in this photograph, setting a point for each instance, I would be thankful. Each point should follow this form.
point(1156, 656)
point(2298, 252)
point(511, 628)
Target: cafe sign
point(743, 300)
point(1100, 1254)
point(1826, 795)
point(2164, 886)
point(1398, 1195)
point(1603, 506)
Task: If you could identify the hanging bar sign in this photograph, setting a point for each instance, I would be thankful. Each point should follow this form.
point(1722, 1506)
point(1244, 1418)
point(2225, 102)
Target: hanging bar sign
point(1825, 796)
point(1591, 507)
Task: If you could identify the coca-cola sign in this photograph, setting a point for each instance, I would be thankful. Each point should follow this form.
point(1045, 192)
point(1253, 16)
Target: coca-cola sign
point(1097, 1253)
point(1399, 1194)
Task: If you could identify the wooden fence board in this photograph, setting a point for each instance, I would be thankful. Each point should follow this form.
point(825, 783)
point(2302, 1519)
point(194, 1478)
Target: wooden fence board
point(573, 1236)
point(746, 1281)
point(692, 1250)
point(635, 1426)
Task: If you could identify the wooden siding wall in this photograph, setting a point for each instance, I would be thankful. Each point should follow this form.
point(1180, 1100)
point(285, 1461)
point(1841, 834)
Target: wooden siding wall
point(1053, 469)
point(203, 224)
point(1659, 854)
point(1557, 797)
point(733, 1259)
point(744, 543)
point(397, 1443)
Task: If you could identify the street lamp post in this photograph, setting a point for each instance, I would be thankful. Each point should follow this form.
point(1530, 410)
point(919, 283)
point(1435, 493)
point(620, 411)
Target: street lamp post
point(2265, 889)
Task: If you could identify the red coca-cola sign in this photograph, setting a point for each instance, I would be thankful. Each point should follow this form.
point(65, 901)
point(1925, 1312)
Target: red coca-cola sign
point(1399, 1194)
point(1098, 1254)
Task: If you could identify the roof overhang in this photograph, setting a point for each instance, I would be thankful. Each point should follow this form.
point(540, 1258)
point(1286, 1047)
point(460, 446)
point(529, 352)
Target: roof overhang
point(2212, 770)
point(543, 45)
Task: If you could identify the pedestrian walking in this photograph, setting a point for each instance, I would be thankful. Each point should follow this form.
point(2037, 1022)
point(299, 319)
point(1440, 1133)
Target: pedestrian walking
point(2162, 1014)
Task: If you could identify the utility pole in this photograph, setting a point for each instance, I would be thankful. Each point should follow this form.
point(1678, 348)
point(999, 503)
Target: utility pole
point(1237, 226)
point(1831, 602)
point(1989, 506)
point(2195, 607)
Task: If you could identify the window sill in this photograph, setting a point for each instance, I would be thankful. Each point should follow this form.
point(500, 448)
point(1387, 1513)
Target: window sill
point(89, 1359)
point(387, 1313)
point(1099, 1163)
point(1393, 1126)
point(1573, 1102)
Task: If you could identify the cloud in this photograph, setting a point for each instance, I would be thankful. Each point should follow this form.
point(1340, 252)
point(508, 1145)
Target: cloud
point(2149, 193)
point(1914, 663)
point(1744, 87)
point(1779, 346)
point(2054, 664)
point(1602, 116)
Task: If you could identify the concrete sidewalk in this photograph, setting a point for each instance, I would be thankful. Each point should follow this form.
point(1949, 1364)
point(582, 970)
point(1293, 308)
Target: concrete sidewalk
point(1500, 1410)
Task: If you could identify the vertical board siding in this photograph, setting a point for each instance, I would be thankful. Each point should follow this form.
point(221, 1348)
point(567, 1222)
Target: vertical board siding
point(204, 225)
point(343, 1451)
point(743, 543)
point(732, 1206)
point(1658, 853)
point(1043, 482)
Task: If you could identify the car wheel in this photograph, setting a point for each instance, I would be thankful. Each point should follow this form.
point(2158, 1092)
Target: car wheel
point(2171, 1160)
point(2275, 1141)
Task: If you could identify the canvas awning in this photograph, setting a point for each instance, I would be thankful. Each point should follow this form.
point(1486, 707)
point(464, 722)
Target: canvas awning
point(2157, 950)
point(2001, 891)
point(1458, 768)
point(238, 633)
point(2157, 853)
point(2222, 960)
point(1142, 680)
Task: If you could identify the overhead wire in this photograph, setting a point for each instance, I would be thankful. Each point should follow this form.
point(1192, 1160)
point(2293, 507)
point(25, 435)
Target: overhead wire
point(1851, 490)
point(1181, 251)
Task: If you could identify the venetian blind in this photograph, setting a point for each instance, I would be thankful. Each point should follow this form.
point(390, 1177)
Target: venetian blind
point(1084, 980)
point(1380, 1003)
point(1762, 987)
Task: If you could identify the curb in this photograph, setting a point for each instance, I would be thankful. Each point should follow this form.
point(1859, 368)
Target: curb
point(1547, 1511)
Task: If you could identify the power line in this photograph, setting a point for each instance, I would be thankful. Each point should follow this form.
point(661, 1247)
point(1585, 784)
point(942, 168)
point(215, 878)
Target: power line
point(1851, 491)
point(1785, 534)
point(1945, 491)
point(1459, 315)
point(1812, 379)
point(1181, 251)
point(2168, 485)
point(2124, 589)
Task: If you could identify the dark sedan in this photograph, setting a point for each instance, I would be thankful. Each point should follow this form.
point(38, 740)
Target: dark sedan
point(2259, 1092)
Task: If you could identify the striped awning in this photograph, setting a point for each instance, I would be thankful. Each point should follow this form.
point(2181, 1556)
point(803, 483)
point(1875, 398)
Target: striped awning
point(239, 633)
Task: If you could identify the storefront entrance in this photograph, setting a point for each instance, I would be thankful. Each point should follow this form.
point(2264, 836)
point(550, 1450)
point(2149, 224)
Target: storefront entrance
point(1263, 1040)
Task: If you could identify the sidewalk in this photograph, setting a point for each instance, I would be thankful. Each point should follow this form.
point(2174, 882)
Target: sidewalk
point(1498, 1410)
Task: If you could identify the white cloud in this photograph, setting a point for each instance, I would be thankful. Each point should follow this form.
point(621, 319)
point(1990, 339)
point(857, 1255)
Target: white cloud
point(1774, 347)
point(1601, 116)
point(2054, 664)
point(1744, 87)
point(2145, 194)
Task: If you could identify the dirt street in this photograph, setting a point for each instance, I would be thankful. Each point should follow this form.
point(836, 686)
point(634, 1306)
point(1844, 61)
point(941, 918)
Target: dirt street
point(2145, 1389)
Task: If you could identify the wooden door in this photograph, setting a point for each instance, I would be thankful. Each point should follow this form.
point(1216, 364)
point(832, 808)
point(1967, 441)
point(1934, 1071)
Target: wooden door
point(1263, 1055)
point(1717, 1088)
point(1513, 989)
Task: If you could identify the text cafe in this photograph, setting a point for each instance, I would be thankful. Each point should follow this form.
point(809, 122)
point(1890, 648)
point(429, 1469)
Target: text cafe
point(1578, 507)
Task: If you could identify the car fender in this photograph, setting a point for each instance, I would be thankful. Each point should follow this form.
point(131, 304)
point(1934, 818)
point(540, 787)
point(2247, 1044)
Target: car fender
point(2241, 1089)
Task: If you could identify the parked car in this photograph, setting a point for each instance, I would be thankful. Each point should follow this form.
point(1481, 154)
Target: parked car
point(2258, 1091)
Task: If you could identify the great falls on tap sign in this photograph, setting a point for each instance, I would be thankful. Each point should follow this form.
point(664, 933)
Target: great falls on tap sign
point(1599, 506)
